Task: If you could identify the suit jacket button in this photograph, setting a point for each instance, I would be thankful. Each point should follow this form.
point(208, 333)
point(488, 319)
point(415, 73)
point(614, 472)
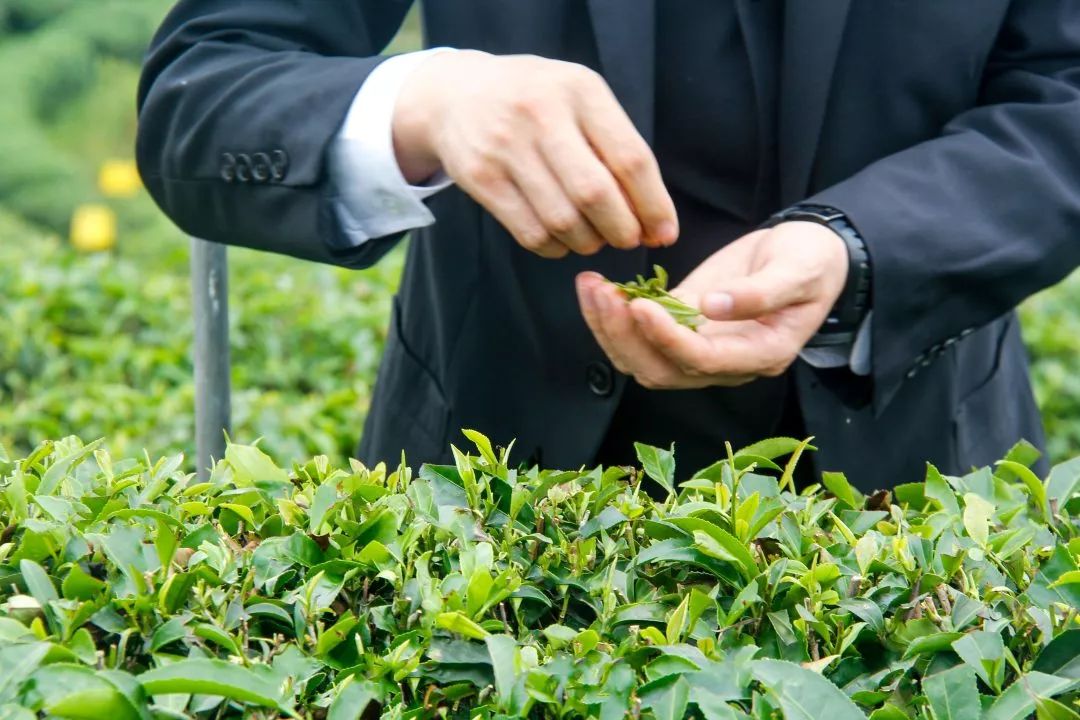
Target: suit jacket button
point(243, 167)
point(279, 165)
point(228, 167)
point(260, 167)
point(600, 378)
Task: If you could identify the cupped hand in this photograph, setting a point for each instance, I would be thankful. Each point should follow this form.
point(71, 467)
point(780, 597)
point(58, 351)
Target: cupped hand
point(764, 296)
point(542, 144)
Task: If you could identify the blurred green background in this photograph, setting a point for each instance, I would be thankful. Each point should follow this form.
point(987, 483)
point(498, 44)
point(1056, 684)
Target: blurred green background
point(98, 343)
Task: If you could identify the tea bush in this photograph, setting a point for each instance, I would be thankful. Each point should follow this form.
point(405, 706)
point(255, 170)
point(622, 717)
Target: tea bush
point(101, 345)
point(130, 590)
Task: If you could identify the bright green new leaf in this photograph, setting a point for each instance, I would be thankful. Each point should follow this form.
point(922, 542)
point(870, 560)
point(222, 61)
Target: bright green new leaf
point(458, 623)
point(977, 515)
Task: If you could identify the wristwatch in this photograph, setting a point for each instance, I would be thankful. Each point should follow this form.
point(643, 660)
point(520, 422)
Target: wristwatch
point(843, 321)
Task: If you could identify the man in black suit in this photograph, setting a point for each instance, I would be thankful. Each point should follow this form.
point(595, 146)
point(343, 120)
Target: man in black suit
point(862, 192)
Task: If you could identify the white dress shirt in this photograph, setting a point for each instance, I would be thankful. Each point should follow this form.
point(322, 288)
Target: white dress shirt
point(374, 199)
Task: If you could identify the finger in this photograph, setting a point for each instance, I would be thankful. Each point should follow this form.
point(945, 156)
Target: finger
point(558, 214)
point(591, 187)
point(508, 205)
point(631, 161)
point(726, 357)
point(763, 293)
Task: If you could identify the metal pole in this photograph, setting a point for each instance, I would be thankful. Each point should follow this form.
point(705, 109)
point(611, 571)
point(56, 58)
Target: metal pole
point(210, 304)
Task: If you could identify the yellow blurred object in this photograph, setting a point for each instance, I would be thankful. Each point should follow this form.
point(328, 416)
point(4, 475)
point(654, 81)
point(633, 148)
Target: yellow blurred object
point(119, 179)
point(93, 228)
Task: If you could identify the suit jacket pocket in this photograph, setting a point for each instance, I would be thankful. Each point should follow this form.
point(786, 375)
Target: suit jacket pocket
point(408, 411)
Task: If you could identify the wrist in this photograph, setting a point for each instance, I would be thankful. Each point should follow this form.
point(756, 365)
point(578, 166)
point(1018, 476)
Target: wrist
point(418, 106)
point(853, 300)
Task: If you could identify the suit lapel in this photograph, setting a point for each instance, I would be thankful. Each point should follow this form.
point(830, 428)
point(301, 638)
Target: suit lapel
point(625, 33)
point(812, 33)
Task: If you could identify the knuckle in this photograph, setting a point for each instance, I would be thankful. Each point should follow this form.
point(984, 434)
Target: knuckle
point(590, 246)
point(500, 136)
point(530, 105)
point(589, 192)
point(562, 222)
point(631, 162)
point(479, 171)
point(533, 239)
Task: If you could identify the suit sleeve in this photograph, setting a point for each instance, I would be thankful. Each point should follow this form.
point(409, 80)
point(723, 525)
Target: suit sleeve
point(960, 229)
point(238, 105)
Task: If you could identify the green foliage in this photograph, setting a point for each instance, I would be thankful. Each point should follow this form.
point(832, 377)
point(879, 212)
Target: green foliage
point(1051, 322)
point(101, 345)
point(130, 590)
point(45, 71)
point(655, 289)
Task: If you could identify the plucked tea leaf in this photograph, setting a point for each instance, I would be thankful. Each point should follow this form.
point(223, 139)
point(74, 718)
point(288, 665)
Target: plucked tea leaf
point(655, 289)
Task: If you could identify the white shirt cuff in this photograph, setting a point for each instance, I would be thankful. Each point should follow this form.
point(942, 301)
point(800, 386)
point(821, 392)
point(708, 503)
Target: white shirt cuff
point(373, 199)
point(857, 356)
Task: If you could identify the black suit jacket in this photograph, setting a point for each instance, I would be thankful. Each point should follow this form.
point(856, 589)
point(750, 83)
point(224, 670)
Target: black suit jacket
point(948, 131)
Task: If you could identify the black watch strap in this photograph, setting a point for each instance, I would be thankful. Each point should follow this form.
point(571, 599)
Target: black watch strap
point(842, 323)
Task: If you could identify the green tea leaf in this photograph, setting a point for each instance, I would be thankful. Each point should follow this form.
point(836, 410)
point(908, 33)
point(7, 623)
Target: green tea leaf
point(1061, 657)
point(353, 700)
point(659, 464)
point(953, 694)
point(457, 623)
point(803, 694)
point(977, 515)
point(212, 677)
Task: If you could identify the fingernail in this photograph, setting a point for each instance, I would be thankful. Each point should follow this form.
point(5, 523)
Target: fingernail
point(717, 304)
point(587, 300)
point(666, 233)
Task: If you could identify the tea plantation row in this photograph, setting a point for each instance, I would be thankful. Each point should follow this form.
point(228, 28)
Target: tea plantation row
point(129, 590)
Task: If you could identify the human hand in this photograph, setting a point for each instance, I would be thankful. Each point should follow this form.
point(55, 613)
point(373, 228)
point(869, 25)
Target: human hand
point(542, 144)
point(764, 296)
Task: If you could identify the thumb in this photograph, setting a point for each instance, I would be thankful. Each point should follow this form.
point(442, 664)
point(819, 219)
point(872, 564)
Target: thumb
point(765, 292)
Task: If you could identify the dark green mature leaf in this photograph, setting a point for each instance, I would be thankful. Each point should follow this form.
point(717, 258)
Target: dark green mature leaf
point(79, 693)
point(666, 697)
point(212, 677)
point(803, 694)
point(353, 700)
point(953, 694)
point(1063, 483)
point(38, 582)
point(1042, 591)
point(1061, 657)
point(18, 662)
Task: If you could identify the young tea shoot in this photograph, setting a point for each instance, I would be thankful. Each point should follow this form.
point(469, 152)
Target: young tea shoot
point(655, 289)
